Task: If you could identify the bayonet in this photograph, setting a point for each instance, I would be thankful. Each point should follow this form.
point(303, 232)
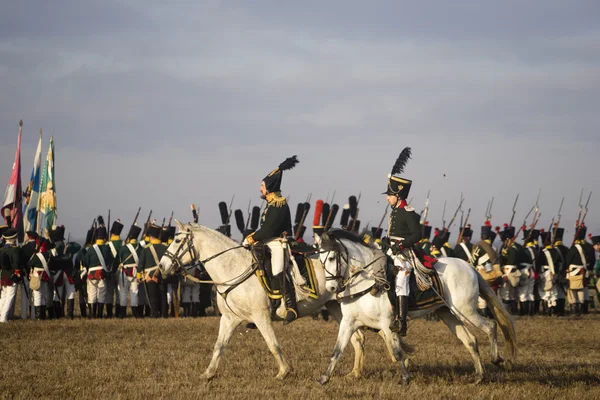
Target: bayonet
point(514, 210)
point(459, 208)
point(425, 210)
point(462, 230)
point(443, 216)
point(230, 210)
point(171, 217)
point(249, 215)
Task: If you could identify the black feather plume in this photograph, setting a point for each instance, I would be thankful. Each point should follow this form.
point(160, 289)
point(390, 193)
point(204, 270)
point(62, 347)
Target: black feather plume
point(401, 161)
point(255, 218)
point(345, 217)
point(299, 211)
point(239, 220)
point(334, 210)
point(325, 213)
point(100, 220)
point(353, 206)
point(224, 212)
point(289, 163)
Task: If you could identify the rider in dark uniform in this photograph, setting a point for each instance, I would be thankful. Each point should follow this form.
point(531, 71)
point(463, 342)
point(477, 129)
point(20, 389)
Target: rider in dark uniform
point(404, 232)
point(275, 226)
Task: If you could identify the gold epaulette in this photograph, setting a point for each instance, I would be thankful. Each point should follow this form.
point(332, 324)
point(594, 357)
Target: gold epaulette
point(275, 199)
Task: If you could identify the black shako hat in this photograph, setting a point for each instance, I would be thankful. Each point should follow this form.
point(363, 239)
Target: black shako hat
point(273, 180)
point(398, 186)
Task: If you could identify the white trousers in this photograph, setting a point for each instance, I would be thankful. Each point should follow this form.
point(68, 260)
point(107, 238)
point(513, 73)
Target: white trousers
point(128, 286)
point(549, 296)
point(190, 293)
point(507, 292)
point(94, 290)
point(42, 296)
point(108, 289)
point(402, 279)
point(278, 255)
point(526, 291)
point(7, 301)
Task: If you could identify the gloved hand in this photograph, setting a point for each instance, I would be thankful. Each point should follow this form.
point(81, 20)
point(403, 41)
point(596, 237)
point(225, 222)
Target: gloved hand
point(396, 248)
point(385, 244)
point(16, 278)
point(245, 243)
point(139, 276)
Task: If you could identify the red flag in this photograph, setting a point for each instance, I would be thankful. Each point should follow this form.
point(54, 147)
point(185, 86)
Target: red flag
point(12, 207)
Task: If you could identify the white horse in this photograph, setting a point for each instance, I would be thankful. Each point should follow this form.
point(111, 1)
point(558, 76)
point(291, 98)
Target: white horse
point(241, 295)
point(462, 286)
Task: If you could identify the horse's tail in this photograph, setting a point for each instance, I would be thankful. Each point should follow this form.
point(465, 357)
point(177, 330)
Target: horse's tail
point(502, 317)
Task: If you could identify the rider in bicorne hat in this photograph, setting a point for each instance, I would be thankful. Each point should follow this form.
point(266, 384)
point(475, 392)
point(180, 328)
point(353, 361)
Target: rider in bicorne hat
point(275, 226)
point(404, 231)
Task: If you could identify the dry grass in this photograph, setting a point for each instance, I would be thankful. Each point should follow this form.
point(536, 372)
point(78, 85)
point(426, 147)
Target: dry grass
point(558, 358)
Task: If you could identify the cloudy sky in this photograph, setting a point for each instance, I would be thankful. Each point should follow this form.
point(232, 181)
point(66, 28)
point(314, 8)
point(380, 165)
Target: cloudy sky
point(161, 104)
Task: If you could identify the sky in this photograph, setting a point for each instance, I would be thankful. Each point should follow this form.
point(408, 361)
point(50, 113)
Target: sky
point(163, 104)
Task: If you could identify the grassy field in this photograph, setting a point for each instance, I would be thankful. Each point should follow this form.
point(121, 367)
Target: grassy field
point(558, 358)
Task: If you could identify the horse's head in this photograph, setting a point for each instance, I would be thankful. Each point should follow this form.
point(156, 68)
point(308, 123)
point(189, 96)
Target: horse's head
point(331, 254)
point(181, 251)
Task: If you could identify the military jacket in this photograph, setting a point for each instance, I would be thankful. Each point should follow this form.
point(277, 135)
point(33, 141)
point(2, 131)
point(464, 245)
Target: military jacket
point(484, 253)
point(527, 256)
point(91, 259)
point(547, 257)
point(404, 223)
point(574, 258)
point(27, 251)
point(510, 256)
point(10, 262)
point(275, 220)
point(447, 251)
point(425, 247)
point(125, 256)
point(35, 262)
point(462, 254)
point(147, 263)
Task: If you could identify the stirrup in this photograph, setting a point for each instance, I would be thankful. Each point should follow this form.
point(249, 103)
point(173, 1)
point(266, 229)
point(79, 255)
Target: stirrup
point(290, 316)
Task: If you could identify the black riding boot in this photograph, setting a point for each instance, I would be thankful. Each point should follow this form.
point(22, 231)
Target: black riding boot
point(83, 310)
point(291, 308)
point(71, 308)
point(38, 312)
point(401, 311)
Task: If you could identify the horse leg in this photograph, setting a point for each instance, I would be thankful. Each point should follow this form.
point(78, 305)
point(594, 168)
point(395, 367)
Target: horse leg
point(489, 326)
point(346, 331)
point(461, 332)
point(392, 341)
point(227, 325)
point(264, 325)
point(357, 340)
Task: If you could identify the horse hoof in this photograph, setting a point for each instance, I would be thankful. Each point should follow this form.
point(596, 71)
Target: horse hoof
point(282, 375)
point(353, 375)
point(323, 380)
point(206, 377)
point(498, 362)
point(479, 380)
point(405, 381)
point(508, 365)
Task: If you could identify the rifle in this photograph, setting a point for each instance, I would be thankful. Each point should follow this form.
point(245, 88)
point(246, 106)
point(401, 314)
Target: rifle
point(249, 216)
point(511, 241)
point(513, 211)
point(535, 217)
point(230, 210)
point(425, 210)
point(108, 226)
point(580, 209)
point(137, 215)
point(456, 213)
point(582, 220)
point(488, 212)
point(171, 218)
point(444, 215)
point(383, 218)
point(146, 225)
point(462, 231)
point(194, 213)
point(305, 210)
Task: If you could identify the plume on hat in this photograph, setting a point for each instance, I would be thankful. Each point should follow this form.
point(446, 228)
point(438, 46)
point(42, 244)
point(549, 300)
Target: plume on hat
point(401, 161)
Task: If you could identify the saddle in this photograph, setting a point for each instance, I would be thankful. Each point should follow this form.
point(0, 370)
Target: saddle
point(418, 299)
point(301, 253)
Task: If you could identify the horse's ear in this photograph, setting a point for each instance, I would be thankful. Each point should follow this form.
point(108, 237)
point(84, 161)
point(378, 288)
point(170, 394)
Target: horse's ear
point(326, 243)
point(179, 225)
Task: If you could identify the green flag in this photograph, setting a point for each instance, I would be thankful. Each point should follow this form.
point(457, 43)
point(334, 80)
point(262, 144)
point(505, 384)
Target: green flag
point(47, 199)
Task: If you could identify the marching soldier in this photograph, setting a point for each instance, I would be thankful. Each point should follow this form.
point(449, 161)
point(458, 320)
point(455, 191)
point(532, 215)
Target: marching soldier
point(464, 249)
point(548, 267)
point(40, 278)
point(485, 261)
point(80, 274)
point(172, 281)
point(97, 261)
point(148, 269)
point(10, 272)
point(577, 271)
point(509, 261)
point(60, 264)
point(528, 276)
point(27, 252)
point(404, 232)
point(596, 245)
point(110, 280)
point(562, 283)
point(128, 259)
point(275, 225)
point(439, 244)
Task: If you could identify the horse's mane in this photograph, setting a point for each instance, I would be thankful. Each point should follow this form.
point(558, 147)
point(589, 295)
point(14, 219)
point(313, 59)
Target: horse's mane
point(347, 235)
point(215, 234)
